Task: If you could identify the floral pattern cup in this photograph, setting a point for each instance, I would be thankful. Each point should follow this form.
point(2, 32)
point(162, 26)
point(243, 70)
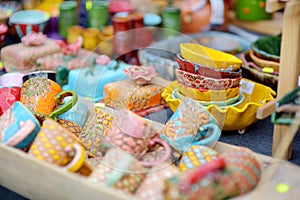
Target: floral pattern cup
point(42, 97)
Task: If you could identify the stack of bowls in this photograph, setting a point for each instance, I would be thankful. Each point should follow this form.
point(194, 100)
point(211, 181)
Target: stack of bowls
point(261, 62)
point(207, 75)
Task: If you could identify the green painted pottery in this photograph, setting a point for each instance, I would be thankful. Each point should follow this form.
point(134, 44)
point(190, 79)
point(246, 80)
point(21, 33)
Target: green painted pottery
point(251, 10)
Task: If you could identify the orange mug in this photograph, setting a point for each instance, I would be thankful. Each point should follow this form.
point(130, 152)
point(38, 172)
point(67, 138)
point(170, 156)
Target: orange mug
point(42, 97)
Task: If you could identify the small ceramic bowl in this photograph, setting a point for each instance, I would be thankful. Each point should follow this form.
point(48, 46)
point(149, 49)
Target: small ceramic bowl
point(260, 62)
point(26, 21)
point(198, 81)
point(267, 47)
point(234, 101)
point(205, 70)
point(231, 117)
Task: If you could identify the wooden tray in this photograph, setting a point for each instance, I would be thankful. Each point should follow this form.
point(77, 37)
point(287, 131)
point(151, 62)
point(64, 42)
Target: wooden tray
point(35, 179)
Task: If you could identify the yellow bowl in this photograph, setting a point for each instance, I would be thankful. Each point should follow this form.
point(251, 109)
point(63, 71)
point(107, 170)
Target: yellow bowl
point(208, 95)
point(209, 57)
point(232, 117)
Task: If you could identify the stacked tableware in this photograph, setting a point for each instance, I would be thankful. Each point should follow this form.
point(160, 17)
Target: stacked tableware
point(208, 75)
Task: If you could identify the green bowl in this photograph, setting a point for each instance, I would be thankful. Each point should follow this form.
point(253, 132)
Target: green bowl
point(267, 47)
point(251, 10)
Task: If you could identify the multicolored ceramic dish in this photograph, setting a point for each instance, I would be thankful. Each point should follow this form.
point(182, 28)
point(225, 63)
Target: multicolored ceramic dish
point(198, 81)
point(232, 117)
point(222, 104)
point(205, 70)
point(210, 57)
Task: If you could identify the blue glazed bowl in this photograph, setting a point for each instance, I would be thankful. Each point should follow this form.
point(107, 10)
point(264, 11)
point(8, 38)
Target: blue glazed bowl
point(26, 21)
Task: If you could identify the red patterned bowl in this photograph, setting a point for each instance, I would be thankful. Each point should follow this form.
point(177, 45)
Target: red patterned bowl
point(204, 70)
point(198, 81)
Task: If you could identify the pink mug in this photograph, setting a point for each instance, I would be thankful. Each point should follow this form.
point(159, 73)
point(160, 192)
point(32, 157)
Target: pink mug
point(134, 135)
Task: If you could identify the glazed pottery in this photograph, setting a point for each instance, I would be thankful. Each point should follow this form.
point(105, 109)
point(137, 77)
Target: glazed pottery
point(190, 124)
point(198, 81)
point(90, 38)
point(234, 173)
point(77, 114)
point(267, 47)
point(89, 82)
point(26, 21)
point(152, 186)
point(263, 63)
point(195, 156)
point(230, 117)
point(222, 104)
point(94, 130)
point(208, 95)
point(209, 57)
point(53, 144)
point(8, 95)
point(18, 126)
point(134, 135)
point(42, 96)
point(120, 170)
point(11, 79)
point(204, 70)
point(252, 10)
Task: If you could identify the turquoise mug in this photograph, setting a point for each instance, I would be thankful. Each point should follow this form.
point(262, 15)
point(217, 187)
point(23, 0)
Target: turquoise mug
point(19, 127)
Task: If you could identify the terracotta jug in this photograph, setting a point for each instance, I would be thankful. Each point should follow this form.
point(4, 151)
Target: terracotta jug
point(197, 15)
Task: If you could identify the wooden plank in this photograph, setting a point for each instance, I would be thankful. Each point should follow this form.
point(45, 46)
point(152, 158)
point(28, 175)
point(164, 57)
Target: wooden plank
point(289, 71)
point(266, 110)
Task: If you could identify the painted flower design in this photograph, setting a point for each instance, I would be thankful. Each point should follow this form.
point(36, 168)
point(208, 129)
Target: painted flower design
point(34, 39)
point(141, 75)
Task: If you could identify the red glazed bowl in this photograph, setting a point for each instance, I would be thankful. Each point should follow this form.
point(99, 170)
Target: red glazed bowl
point(198, 81)
point(204, 70)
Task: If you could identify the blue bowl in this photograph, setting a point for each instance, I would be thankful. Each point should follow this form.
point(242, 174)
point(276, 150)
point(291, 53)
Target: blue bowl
point(26, 21)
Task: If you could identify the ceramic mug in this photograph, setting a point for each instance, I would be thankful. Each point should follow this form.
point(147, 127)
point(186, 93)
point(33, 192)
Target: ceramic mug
point(18, 126)
point(77, 114)
point(134, 135)
point(120, 170)
point(42, 96)
point(11, 79)
point(54, 143)
point(8, 95)
point(190, 125)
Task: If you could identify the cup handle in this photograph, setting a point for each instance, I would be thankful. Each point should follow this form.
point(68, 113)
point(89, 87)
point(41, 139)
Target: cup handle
point(59, 100)
point(26, 129)
point(164, 158)
point(78, 159)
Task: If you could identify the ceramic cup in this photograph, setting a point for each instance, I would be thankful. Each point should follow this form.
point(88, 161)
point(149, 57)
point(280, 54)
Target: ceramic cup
point(8, 95)
point(18, 126)
point(11, 79)
point(120, 170)
point(42, 97)
point(54, 143)
point(190, 125)
point(77, 114)
point(46, 74)
point(134, 135)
